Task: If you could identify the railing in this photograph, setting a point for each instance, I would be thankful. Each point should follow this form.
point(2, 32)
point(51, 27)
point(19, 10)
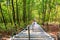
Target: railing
point(29, 32)
point(31, 39)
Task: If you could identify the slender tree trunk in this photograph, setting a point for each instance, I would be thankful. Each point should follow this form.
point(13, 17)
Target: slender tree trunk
point(24, 11)
point(18, 21)
point(8, 10)
point(49, 13)
point(49, 9)
point(44, 11)
point(14, 16)
point(13, 11)
point(3, 16)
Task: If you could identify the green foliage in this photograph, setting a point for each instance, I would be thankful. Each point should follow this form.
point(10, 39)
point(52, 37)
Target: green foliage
point(42, 10)
point(1, 0)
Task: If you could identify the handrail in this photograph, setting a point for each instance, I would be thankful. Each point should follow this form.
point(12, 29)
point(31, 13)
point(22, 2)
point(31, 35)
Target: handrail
point(29, 32)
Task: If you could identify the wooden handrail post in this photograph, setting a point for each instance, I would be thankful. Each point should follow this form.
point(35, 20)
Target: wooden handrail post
point(29, 32)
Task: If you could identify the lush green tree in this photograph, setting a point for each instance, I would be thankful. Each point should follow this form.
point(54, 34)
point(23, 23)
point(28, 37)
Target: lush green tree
point(3, 19)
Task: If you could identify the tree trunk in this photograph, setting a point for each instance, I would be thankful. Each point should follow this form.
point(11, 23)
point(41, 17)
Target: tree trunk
point(3, 16)
point(24, 12)
point(14, 16)
point(8, 10)
point(43, 11)
point(49, 5)
point(13, 12)
point(18, 21)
